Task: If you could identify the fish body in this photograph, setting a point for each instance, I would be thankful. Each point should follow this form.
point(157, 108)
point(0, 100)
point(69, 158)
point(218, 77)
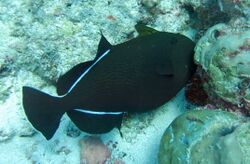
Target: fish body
point(135, 76)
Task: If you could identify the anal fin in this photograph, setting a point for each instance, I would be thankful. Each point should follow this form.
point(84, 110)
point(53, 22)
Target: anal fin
point(95, 123)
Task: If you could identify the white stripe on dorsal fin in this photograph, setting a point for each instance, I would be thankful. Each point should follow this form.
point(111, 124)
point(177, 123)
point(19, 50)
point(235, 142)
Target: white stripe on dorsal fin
point(97, 113)
point(65, 81)
point(84, 73)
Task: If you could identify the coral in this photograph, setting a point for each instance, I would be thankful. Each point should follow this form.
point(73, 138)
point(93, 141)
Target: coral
point(223, 55)
point(49, 38)
point(169, 16)
point(212, 134)
point(206, 13)
point(54, 36)
point(238, 144)
point(93, 151)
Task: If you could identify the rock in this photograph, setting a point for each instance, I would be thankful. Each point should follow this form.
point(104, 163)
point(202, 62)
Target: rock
point(135, 124)
point(72, 130)
point(6, 134)
point(93, 151)
point(223, 54)
point(149, 3)
point(26, 131)
point(63, 150)
point(206, 137)
point(206, 13)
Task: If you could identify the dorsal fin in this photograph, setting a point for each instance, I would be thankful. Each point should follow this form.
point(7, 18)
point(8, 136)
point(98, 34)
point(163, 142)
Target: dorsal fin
point(103, 46)
point(65, 82)
point(144, 30)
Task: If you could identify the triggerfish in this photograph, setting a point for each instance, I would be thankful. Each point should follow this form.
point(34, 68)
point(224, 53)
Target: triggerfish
point(135, 76)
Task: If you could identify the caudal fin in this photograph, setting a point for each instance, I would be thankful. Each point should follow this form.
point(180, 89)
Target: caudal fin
point(42, 110)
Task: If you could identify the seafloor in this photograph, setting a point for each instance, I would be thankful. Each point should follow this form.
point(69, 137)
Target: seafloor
point(42, 39)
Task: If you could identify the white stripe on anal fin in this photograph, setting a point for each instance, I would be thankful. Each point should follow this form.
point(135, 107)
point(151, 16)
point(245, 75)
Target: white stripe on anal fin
point(97, 113)
point(85, 72)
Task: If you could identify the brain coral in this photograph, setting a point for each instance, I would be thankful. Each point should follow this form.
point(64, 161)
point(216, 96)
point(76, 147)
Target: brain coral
point(224, 55)
point(206, 136)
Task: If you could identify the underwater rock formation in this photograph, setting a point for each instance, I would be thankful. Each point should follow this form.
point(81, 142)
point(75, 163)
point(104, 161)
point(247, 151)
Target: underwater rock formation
point(206, 136)
point(223, 53)
point(206, 13)
point(72, 130)
point(6, 134)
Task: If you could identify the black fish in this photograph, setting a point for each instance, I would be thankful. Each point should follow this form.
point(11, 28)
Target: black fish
point(136, 76)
